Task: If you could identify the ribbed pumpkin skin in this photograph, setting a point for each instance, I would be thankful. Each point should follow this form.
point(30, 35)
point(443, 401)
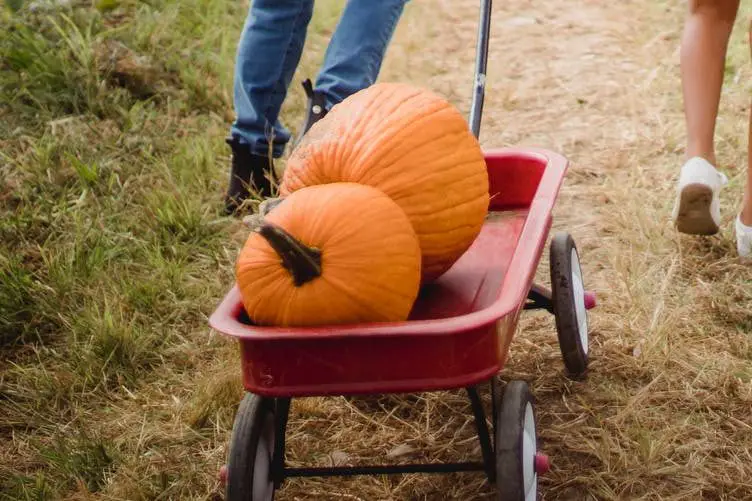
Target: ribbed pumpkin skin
point(415, 147)
point(370, 260)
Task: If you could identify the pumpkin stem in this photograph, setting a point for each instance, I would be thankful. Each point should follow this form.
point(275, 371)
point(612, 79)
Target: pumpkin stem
point(303, 263)
point(268, 205)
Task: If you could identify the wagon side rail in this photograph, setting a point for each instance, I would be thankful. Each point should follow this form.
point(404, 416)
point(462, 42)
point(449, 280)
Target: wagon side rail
point(514, 291)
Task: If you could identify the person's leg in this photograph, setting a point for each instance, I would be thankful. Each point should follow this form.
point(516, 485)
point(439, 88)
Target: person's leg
point(268, 54)
point(357, 48)
point(353, 58)
point(703, 53)
point(746, 212)
point(744, 219)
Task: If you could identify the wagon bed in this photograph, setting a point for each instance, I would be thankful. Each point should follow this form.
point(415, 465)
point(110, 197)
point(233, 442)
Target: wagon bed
point(459, 331)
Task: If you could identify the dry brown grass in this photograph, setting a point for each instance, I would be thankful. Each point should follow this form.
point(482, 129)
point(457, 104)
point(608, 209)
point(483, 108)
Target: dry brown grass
point(666, 412)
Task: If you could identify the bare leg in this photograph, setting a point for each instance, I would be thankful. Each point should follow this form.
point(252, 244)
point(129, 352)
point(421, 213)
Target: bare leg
point(703, 53)
point(744, 220)
point(746, 212)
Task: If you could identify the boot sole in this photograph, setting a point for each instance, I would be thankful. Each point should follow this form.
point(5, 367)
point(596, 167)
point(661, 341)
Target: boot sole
point(694, 215)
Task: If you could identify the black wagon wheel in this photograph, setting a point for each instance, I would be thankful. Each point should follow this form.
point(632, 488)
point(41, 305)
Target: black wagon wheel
point(251, 450)
point(516, 445)
point(568, 294)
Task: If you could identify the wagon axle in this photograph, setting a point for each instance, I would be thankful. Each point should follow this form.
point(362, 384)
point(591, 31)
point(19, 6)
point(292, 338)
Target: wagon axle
point(542, 466)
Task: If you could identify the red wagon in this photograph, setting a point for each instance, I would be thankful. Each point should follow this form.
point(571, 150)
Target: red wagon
point(457, 336)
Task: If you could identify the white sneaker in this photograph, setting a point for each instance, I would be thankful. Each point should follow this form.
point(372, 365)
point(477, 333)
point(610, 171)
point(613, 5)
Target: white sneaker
point(743, 238)
point(698, 209)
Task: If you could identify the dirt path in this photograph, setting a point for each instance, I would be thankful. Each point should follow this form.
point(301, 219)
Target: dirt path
point(665, 413)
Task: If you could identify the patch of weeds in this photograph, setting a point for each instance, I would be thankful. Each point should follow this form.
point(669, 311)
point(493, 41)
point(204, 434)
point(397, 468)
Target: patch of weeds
point(27, 488)
point(731, 308)
point(95, 175)
point(58, 175)
point(23, 317)
point(109, 346)
point(78, 262)
point(124, 68)
point(83, 459)
point(39, 391)
point(169, 283)
point(179, 219)
point(150, 297)
point(194, 163)
point(743, 373)
point(14, 5)
point(202, 66)
point(738, 49)
point(16, 301)
point(216, 399)
point(138, 119)
point(164, 290)
point(51, 64)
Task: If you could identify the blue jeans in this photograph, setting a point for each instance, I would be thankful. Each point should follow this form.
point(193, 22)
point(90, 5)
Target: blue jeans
point(269, 52)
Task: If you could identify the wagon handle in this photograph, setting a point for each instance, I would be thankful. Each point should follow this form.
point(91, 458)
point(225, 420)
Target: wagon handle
point(481, 62)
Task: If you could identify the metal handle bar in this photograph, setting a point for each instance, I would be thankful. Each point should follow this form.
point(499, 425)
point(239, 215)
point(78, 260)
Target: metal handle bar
point(481, 62)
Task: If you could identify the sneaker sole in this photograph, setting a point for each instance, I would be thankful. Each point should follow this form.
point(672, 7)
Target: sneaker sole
point(694, 215)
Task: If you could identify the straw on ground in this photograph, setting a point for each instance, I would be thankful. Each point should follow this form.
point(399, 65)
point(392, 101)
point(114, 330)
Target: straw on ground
point(112, 167)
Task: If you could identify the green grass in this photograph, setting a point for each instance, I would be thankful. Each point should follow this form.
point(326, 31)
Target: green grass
point(112, 249)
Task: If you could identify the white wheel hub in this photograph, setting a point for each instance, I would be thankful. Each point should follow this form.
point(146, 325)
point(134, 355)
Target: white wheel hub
point(529, 450)
point(578, 289)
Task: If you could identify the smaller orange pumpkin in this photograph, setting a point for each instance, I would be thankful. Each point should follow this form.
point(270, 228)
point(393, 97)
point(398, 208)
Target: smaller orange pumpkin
point(330, 254)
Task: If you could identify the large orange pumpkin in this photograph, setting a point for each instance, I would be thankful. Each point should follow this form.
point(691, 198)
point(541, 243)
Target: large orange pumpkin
point(415, 147)
point(330, 254)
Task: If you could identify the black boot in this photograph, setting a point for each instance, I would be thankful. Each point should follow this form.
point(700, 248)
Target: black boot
point(316, 108)
point(248, 172)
